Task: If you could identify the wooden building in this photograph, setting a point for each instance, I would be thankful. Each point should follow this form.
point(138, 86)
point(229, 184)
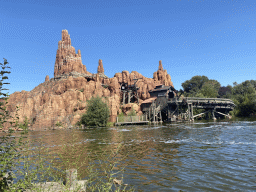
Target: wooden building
point(163, 91)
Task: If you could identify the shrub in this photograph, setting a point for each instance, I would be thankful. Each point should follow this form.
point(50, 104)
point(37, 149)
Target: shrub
point(121, 117)
point(58, 124)
point(132, 112)
point(97, 113)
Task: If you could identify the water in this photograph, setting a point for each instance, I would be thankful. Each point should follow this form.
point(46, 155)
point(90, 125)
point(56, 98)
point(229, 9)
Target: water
point(210, 156)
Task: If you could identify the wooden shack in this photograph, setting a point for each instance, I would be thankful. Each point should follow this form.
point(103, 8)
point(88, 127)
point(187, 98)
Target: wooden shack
point(145, 105)
point(163, 91)
point(159, 91)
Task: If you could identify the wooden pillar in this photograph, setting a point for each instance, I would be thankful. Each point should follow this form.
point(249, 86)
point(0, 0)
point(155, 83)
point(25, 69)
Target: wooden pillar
point(213, 116)
point(192, 112)
point(161, 121)
point(129, 96)
point(189, 115)
point(123, 97)
point(154, 112)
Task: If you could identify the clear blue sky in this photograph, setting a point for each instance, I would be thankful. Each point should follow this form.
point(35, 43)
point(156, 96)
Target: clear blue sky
point(215, 38)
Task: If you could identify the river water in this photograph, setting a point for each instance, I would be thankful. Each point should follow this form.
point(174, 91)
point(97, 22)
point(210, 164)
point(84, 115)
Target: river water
point(202, 156)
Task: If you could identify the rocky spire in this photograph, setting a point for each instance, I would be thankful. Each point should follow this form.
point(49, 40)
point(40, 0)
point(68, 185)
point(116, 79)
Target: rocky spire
point(66, 58)
point(161, 76)
point(160, 68)
point(47, 78)
point(100, 67)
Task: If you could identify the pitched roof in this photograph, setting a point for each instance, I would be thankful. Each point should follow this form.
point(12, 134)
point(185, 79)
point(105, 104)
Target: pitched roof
point(150, 100)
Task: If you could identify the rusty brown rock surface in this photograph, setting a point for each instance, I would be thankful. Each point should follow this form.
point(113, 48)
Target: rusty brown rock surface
point(100, 67)
point(47, 78)
point(63, 101)
point(66, 58)
point(161, 76)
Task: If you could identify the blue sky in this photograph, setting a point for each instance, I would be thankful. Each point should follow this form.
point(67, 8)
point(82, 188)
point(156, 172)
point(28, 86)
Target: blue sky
point(215, 38)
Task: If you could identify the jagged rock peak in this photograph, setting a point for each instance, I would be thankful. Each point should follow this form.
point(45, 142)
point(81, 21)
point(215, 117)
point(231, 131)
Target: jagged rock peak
point(100, 67)
point(47, 78)
point(79, 53)
point(66, 58)
point(160, 68)
point(66, 38)
point(161, 76)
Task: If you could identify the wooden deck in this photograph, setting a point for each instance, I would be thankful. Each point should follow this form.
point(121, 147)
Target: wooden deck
point(131, 120)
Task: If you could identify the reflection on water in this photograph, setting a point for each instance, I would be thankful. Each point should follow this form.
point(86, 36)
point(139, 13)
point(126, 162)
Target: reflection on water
point(202, 156)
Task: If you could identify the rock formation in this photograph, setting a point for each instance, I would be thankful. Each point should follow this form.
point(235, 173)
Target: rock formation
point(100, 67)
point(66, 58)
point(47, 78)
point(63, 98)
point(161, 76)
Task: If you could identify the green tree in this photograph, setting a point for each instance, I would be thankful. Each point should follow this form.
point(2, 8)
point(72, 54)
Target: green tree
point(243, 88)
point(210, 89)
point(97, 113)
point(247, 106)
point(192, 86)
point(225, 91)
point(244, 96)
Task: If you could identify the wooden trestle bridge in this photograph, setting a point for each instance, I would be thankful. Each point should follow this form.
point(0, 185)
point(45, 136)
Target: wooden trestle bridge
point(181, 109)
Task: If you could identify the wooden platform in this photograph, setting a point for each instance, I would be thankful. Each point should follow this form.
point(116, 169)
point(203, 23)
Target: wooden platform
point(132, 123)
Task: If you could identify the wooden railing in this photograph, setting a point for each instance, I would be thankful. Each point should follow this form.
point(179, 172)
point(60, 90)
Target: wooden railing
point(198, 99)
point(131, 118)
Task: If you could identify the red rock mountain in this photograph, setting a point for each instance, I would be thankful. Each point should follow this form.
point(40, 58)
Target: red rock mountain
point(63, 98)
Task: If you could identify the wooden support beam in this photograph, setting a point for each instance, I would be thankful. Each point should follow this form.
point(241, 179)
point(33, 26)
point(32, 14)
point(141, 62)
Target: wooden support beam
point(213, 117)
point(222, 113)
point(189, 115)
point(192, 112)
point(123, 97)
point(129, 96)
point(201, 113)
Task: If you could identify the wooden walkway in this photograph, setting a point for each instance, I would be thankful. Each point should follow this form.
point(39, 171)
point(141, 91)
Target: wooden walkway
point(131, 120)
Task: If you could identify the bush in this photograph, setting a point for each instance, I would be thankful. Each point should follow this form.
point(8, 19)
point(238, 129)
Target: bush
point(132, 112)
point(97, 113)
point(58, 124)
